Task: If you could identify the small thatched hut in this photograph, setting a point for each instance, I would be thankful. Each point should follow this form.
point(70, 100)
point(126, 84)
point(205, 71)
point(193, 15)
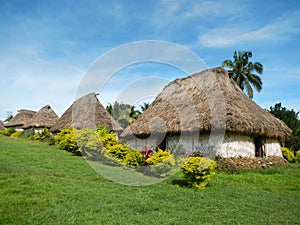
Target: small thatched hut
point(44, 118)
point(2, 125)
point(23, 117)
point(198, 111)
point(86, 112)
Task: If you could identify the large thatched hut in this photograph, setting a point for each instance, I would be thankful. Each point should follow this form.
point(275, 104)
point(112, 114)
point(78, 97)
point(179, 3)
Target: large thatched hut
point(44, 118)
point(86, 112)
point(198, 111)
point(23, 117)
point(1, 125)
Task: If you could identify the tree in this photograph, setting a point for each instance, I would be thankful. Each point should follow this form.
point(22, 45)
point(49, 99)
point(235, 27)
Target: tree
point(291, 119)
point(145, 106)
point(242, 72)
point(9, 116)
point(124, 114)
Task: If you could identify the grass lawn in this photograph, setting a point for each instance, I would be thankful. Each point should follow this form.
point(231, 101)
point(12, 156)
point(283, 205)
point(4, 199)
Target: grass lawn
point(41, 184)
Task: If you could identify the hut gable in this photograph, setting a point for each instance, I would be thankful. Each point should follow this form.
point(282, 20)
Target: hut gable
point(187, 105)
point(23, 117)
point(44, 118)
point(86, 112)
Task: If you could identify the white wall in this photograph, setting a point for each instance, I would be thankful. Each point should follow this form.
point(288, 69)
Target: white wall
point(140, 144)
point(233, 145)
point(272, 148)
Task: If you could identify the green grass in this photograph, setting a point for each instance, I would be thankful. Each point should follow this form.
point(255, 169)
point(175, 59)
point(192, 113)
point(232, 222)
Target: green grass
point(41, 184)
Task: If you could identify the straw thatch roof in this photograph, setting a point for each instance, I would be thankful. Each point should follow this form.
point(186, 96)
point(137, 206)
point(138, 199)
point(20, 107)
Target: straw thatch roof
point(23, 117)
point(202, 101)
point(86, 112)
point(45, 117)
point(1, 125)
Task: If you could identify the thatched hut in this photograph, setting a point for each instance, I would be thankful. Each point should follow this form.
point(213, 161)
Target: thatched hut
point(194, 112)
point(23, 117)
point(44, 118)
point(86, 112)
point(2, 125)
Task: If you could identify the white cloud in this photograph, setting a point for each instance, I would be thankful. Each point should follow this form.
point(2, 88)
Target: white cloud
point(225, 37)
point(180, 12)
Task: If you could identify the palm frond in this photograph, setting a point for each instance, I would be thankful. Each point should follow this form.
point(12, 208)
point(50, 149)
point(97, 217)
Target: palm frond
point(249, 89)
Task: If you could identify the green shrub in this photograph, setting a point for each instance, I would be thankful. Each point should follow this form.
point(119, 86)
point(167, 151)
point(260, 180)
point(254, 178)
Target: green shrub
point(41, 135)
point(117, 152)
point(17, 134)
point(66, 140)
point(9, 132)
point(297, 157)
point(88, 139)
point(134, 158)
point(107, 137)
point(288, 154)
point(197, 171)
point(160, 163)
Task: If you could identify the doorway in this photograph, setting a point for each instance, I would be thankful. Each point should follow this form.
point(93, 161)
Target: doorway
point(259, 146)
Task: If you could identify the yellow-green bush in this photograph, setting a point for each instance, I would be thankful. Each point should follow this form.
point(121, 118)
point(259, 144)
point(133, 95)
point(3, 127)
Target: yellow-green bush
point(106, 136)
point(9, 132)
point(88, 139)
point(160, 163)
point(197, 171)
point(17, 134)
point(134, 158)
point(297, 157)
point(66, 140)
point(43, 135)
point(288, 154)
point(116, 151)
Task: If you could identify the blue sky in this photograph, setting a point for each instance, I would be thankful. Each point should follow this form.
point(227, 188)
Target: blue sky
point(47, 46)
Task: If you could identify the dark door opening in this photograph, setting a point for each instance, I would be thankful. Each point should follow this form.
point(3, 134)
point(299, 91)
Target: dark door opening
point(163, 144)
point(259, 147)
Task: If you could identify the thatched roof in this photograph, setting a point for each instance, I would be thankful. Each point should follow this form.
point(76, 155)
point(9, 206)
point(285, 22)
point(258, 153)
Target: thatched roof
point(45, 117)
point(1, 125)
point(202, 101)
point(23, 116)
point(86, 112)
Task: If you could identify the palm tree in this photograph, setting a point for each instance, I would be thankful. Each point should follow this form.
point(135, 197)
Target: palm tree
point(145, 106)
point(242, 72)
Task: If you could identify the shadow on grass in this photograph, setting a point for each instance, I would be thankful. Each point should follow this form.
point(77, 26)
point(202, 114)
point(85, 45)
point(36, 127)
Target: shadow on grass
point(180, 183)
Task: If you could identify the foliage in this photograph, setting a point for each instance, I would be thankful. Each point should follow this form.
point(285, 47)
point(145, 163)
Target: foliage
point(9, 131)
point(242, 72)
point(134, 158)
point(17, 134)
point(198, 171)
point(9, 116)
point(106, 136)
point(43, 135)
point(288, 154)
point(116, 151)
point(160, 163)
point(145, 106)
point(66, 140)
point(147, 152)
point(297, 157)
point(88, 139)
point(124, 114)
point(291, 119)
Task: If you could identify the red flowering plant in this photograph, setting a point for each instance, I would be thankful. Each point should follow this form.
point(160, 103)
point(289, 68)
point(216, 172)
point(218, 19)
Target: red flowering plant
point(147, 153)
